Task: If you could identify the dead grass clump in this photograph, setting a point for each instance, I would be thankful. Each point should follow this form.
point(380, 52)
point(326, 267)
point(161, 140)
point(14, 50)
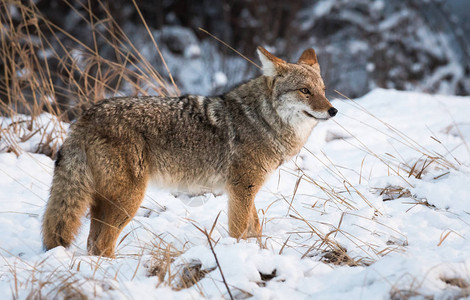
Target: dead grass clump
point(163, 255)
point(457, 282)
point(189, 274)
point(36, 135)
point(60, 285)
point(459, 286)
point(393, 192)
point(70, 292)
point(390, 193)
point(419, 168)
point(338, 257)
point(397, 242)
point(179, 277)
point(331, 252)
point(404, 294)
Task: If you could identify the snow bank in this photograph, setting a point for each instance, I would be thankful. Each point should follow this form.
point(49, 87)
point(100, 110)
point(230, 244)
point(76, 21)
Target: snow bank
point(327, 200)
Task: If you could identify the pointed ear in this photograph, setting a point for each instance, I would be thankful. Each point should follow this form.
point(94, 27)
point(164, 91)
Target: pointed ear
point(271, 64)
point(309, 57)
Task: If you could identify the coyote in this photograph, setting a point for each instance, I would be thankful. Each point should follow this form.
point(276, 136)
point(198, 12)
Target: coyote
point(194, 144)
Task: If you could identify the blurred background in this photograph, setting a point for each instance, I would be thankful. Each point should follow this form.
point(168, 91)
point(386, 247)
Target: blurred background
point(361, 44)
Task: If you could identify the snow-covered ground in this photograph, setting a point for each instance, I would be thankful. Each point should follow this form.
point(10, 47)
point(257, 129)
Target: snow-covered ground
point(353, 216)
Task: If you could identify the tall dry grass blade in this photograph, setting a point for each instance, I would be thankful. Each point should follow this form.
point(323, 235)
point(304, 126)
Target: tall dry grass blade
point(230, 47)
point(155, 44)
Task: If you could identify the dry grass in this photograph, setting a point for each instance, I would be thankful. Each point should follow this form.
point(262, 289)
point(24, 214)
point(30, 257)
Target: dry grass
point(457, 282)
point(342, 192)
point(63, 287)
point(181, 276)
point(41, 73)
point(459, 287)
point(393, 192)
point(59, 283)
point(456, 288)
point(397, 164)
point(405, 294)
point(163, 255)
point(189, 274)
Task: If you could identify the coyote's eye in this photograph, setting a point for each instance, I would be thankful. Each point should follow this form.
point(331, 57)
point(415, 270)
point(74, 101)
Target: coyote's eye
point(304, 91)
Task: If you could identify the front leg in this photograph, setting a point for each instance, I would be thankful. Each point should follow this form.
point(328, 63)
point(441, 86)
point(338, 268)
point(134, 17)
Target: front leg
point(243, 219)
point(254, 227)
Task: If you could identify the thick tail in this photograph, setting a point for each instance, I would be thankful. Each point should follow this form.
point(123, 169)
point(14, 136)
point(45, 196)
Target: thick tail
point(71, 195)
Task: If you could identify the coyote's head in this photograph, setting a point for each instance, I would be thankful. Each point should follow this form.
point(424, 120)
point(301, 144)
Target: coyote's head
point(298, 91)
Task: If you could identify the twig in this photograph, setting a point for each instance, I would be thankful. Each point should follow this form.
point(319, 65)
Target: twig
point(218, 265)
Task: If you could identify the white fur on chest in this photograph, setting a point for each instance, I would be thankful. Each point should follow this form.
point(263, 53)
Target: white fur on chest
point(298, 120)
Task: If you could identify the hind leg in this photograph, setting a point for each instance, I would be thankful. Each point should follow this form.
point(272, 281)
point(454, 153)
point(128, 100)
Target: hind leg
point(109, 216)
point(120, 175)
point(96, 215)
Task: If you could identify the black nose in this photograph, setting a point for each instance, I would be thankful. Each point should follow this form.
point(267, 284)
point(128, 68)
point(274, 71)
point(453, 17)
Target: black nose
point(332, 111)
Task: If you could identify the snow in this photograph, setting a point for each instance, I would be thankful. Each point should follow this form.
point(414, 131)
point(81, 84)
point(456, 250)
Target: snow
point(192, 51)
point(322, 8)
point(328, 197)
point(220, 79)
